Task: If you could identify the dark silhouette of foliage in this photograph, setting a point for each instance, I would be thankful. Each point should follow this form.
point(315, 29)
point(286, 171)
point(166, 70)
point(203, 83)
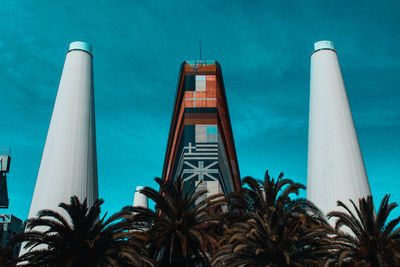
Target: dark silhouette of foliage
point(368, 239)
point(178, 232)
point(278, 231)
point(261, 225)
point(6, 258)
point(232, 211)
point(81, 239)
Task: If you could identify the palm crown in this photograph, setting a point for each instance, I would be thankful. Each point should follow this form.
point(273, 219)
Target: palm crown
point(83, 240)
point(276, 231)
point(371, 240)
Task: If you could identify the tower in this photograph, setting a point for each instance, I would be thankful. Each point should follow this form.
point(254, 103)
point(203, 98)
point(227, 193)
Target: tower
point(69, 162)
point(335, 165)
point(200, 143)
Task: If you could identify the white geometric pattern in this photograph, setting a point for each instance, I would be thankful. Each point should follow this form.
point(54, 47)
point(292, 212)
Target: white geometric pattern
point(200, 171)
point(201, 151)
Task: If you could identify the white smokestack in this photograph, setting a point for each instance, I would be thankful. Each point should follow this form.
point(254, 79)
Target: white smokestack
point(335, 165)
point(140, 200)
point(69, 162)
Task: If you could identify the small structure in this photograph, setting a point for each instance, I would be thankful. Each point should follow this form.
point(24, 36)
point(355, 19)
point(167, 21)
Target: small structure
point(5, 160)
point(140, 199)
point(10, 226)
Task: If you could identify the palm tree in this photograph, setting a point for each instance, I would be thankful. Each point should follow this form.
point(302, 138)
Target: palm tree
point(232, 211)
point(369, 239)
point(80, 240)
point(258, 243)
point(269, 195)
point(278, 231)
point(178, 232)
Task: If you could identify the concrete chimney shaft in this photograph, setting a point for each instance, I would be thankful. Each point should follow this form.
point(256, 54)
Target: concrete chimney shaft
point(69, 162)
point(335, 165)
point(140, 200)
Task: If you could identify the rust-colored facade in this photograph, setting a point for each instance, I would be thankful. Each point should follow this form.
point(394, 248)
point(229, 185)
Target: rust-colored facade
point(200, 142)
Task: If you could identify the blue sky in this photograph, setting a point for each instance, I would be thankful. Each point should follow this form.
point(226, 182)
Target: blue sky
point(264, 49)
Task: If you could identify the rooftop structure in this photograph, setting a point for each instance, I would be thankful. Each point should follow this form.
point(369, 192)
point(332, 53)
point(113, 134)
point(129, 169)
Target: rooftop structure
point(10, 227)
point(5, 160)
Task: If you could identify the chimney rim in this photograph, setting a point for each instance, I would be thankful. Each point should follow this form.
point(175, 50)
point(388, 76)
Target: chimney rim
point(323, 45)
point(138, 188)
point(81, 46)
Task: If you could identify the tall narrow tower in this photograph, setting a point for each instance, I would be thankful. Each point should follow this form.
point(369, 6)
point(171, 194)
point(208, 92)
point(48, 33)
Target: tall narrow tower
point(200, 144)
point(69, 162)
point(335, 165)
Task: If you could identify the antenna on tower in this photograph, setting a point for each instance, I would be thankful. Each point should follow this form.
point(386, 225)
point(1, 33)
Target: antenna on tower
point(200, 49)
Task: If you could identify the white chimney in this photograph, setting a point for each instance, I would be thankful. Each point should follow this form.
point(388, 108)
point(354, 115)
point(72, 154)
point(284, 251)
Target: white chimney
point(335, 165)
point(69, 162)
point(140, 200)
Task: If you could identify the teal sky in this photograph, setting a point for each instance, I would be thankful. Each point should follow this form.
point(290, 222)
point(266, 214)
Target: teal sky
point(264, 49)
